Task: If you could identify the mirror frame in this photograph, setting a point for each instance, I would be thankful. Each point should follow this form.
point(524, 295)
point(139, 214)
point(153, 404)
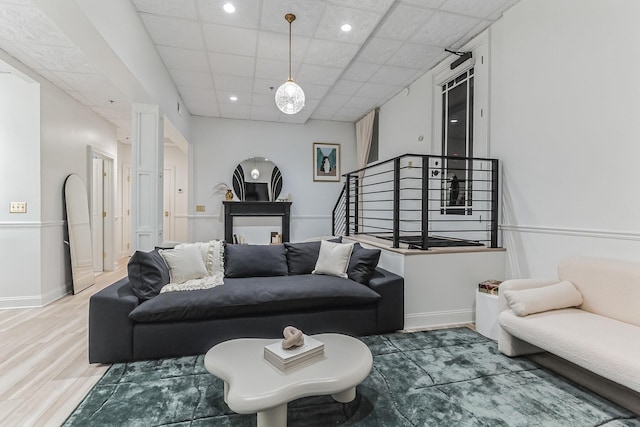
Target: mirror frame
point(79, 229)
point(274, 182)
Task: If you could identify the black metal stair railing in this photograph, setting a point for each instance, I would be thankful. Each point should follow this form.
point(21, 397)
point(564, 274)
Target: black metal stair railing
point(422, 201)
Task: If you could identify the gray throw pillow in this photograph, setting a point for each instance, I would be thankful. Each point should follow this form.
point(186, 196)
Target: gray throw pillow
point(255, 261)
point(362, 264)
point(148, 273)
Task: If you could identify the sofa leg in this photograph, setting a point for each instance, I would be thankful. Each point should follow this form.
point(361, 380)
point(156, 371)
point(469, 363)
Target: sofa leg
point(513, 346)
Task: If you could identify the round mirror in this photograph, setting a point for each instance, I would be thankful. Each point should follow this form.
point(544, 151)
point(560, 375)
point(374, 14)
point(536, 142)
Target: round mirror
point(257, 179)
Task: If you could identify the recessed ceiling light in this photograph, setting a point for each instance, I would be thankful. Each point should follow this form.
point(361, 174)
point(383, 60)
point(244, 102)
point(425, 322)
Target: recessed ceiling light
point(229, 8)
point(233, 98)
point(346, 27)
point(453, 121)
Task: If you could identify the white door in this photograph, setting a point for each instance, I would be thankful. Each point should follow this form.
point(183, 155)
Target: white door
point(126, 209)
point(168, 205)
point(97, 214)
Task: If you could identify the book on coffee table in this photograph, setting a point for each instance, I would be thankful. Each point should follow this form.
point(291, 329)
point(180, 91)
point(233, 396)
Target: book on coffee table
point(285, 359)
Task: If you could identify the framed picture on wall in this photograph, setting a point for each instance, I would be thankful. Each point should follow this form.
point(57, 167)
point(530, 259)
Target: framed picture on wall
point(326, 162)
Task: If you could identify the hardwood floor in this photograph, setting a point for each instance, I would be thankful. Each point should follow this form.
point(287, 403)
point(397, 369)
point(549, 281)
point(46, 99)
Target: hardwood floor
point(44, 365)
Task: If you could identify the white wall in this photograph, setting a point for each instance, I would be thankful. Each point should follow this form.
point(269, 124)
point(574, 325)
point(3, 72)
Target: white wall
point(20, 178)
point(564, 123)
point(220, 144)
point(45, 134)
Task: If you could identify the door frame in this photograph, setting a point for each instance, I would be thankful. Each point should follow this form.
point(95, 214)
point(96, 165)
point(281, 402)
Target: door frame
point(108, 202)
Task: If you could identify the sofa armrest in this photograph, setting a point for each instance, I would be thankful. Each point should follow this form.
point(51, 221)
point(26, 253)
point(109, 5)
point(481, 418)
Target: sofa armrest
point(507, 343)
point(110, 329)
point(390, 312)
point(518, 284)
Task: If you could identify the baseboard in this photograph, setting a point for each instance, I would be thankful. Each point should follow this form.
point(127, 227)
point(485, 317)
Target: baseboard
point(616, 393)
point(438, 318)
point(34, 301)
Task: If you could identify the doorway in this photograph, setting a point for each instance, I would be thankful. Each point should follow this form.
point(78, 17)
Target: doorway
point(101, 187)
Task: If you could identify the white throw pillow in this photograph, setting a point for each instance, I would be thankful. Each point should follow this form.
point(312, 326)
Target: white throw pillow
point(553, 297)
point(333, 259)
point(185, 263)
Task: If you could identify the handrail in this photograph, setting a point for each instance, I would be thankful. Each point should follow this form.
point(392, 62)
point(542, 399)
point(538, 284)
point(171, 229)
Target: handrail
point(442, 199)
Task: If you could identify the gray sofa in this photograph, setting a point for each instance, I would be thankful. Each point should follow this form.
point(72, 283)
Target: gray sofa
point(125, 327)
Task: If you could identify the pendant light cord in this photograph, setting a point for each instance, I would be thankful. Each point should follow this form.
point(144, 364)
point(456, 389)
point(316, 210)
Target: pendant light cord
point(290, 50)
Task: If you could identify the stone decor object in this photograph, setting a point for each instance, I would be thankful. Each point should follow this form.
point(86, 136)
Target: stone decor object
point(293, 337)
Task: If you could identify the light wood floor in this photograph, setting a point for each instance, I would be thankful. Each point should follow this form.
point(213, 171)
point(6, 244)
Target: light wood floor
point(44, 364)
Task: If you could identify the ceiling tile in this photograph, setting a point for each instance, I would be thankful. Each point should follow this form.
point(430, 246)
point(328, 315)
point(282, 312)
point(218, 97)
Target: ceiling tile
point(114, 113)
point(246, 14)
point(233, 83)
point(83, 82)
point(377, 6)
point(173, 32)
point(267, 86)
point(334, 101)
point(332, 54)
point(173, 8)
point(444, 29)
point(376, 90)
point(235, 111)
point(58, 58)
point(417, 56)
point(346, 87)
point(191, 78)
point(363, 23)
point(270, 114)
point(360, 71)
point(241, 66)
point(276, 46)
point(244, 98)
point(308, 14)
point(366, 104)
point(237, 41)
point(22, 23)
point(53, 78)
point(275, 70)
point(317, 74)
point(196, 94)
point(263, 100)
point(315, 91)
point(350, 114)
point(481, 9)
point(106, 97)
point(392, 75)
point(322, 113)
point(378, 51)
point(184, 59)
point(402, 22)
point(432, 4)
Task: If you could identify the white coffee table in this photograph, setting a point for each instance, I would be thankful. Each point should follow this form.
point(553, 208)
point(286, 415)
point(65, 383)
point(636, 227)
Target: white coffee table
point(253, 385)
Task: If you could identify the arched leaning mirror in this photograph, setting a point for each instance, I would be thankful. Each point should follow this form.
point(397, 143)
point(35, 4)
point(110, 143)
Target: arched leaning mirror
point(257, 179)
point(79, 228)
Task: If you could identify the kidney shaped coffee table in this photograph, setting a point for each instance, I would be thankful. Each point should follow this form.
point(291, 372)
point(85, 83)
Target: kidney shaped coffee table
point(253, 385)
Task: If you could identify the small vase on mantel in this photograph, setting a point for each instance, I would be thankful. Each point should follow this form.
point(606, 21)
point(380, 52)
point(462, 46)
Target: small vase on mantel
point(229, 194)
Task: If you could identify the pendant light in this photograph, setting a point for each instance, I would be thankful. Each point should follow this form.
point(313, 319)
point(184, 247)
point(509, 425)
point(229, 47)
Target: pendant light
point(290, 96)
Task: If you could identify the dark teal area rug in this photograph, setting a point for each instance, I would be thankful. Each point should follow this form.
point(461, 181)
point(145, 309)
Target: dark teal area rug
point(450, 377)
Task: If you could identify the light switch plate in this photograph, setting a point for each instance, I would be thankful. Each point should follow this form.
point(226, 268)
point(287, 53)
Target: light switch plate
point(199, 208)
point(17, 207)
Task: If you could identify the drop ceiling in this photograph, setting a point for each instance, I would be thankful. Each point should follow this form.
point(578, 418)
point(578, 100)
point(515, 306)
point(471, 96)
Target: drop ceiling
point(212, 55)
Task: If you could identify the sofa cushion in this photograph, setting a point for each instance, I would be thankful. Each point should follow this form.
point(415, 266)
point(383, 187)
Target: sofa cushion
point(254, 296)
point(362, 263)
point(333, 259)
point(600, 344)
point(148, 273)
point(302, 257)
point(536, 300)
point(185, 263)
point(255, 261)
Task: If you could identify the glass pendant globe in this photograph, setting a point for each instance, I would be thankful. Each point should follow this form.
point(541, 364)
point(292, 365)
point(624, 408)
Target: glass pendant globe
point(290, 97)
point(255, 173)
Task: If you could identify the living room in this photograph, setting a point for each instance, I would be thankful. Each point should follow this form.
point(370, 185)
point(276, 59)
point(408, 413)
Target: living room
point(559, 118)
